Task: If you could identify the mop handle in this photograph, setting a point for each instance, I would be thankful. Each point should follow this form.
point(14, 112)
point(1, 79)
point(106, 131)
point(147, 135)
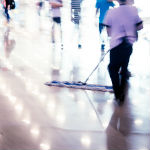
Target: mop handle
point(96, 66)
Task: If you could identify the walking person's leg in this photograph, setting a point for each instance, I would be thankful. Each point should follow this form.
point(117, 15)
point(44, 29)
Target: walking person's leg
point(113, 69)
point(127, 51)
point(53, 32)
point(61, 34)
point(119, 59)
point(7, 14)
point(101, 27)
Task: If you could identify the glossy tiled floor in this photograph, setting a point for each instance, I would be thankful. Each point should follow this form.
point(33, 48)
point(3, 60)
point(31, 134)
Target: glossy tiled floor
point(36, 117)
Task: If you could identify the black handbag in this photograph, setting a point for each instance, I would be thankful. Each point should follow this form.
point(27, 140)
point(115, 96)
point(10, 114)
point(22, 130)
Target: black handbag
point(12, 5)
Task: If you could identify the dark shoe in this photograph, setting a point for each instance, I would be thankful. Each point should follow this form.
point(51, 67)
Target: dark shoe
point(102, 47)
point(62, 46)
point(120, 96)
point(120, 101)
point(79, 46)
point(128, 75)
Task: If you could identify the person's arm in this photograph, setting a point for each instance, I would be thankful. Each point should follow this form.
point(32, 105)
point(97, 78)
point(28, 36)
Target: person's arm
point(138, 20)
point(111, 4)
point(97, 9)
point(56, 4)
point(139, 26)
point(108, 31)
point(97, 6)
point(107, 22)
point(7, 4)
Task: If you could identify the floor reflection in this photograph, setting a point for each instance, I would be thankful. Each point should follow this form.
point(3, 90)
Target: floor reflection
point(34, 116)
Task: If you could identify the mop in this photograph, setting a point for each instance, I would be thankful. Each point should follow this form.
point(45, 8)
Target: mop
point(83, 85)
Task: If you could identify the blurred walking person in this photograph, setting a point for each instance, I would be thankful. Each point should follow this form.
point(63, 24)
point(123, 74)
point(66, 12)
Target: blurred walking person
point(56, 17)
point(122, 25)
point(39, 4)
point(6, 5)
point(76, 17)
point(102, 6)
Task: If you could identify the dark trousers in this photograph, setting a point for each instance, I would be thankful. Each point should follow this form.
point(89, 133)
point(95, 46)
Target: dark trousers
point(119, 59)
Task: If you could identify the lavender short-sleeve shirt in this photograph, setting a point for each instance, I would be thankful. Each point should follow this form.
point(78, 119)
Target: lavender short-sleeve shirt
point(56, 11)
point(122, 21)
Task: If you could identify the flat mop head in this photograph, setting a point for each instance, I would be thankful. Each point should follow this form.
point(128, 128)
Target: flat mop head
point(80, 85)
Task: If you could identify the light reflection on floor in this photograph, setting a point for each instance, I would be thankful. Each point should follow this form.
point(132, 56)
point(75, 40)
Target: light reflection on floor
point(34, 116)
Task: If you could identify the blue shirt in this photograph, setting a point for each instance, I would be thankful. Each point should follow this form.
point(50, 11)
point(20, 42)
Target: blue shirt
point(103, 5)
